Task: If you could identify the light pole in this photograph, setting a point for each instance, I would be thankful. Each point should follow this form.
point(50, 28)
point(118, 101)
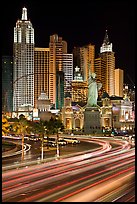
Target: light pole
point(58, 152)
point(22, 147)
point(112, 122)
point(42, 155)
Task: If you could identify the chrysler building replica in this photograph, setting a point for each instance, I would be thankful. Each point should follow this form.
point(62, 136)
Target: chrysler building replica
point(105, 66)
point(23, 67)
point(108, 71)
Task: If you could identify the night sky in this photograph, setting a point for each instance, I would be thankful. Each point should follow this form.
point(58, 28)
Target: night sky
point(79, 23)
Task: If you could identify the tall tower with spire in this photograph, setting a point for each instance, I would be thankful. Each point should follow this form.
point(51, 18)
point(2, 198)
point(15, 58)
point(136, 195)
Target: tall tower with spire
point(107, 62)
point(106, 46)
point(23, 66)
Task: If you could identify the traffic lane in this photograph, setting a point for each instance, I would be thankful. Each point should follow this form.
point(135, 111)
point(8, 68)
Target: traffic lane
point(92, 192)
point(60, 166)
point(47, 171)
point(70, 160)
point(47, 168)
point(35, 152)
point(54, 191)
point(71, 157)
point(127, 195)
point(54, 177)
point(78, 184)
point(118, 194)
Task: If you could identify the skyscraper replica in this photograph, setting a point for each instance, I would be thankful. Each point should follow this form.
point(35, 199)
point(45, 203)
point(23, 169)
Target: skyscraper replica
point(84, 58)
point(23, 67)
point(57, 47)
point(100, 65)
point(68, 72)
point(106, 62)
point(79, 87)
point(119, 82)
point(41, 70)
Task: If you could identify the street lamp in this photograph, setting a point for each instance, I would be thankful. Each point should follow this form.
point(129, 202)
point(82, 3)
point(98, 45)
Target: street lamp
point(112, 122)
point(42, 148)
point(58, 150)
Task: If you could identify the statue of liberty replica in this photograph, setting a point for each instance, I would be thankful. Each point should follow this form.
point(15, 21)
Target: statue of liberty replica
point(92, 123)
point(93, 88)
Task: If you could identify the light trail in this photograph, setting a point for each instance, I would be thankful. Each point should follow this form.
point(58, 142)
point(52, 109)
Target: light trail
point(85, 197)
point(48, 170)
point(125, 193)
point(26, 148)
point(70, 174)
point(43, 181)
point(74, 182)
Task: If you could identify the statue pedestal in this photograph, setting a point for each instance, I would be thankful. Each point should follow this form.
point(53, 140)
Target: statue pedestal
point(92, 123)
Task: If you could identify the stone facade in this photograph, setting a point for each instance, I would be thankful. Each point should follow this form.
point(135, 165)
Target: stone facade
point(92, 120)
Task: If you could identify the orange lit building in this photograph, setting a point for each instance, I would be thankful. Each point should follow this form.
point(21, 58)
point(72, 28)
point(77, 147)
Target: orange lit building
point(119, 82)
point(79, 87)
point(41, 70)
point(105, 66)
point(84, 58)
point(57, 47)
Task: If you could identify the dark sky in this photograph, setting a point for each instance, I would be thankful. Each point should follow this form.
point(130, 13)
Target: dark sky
point(79, 23)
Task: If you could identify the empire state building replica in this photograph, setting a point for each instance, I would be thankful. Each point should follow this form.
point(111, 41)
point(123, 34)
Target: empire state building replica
point(23, 67)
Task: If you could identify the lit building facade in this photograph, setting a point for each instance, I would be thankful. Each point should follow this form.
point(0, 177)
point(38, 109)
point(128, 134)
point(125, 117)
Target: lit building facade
point(43, 107)
point(106, 114)
point(41, 70)
point(67, 114)
point(76, 57)
point(57, 47)
point(129, 91)
point(84, 58)
point(43, 103)
point(117, 113)
point(127, 115)
point(68, 72)
point(7, 84)
point(87, 55)
point(72, 116)
point(100, 65)
point(79, 87)
point(59, 89)
point(108, 68)
point(23, 66)
point(119, 82)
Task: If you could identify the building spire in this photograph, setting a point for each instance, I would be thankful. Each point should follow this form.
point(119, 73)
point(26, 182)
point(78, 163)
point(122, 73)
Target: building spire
point(106, 39)
point(106, 46)
point(24, 14)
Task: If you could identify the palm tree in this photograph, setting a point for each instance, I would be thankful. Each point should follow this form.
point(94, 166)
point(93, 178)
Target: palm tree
point(39, 128)
point(48, 130)
point(21, 127)
point(5, 125)
point(57, 126)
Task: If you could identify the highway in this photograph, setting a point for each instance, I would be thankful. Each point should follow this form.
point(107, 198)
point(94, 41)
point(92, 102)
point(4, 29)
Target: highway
point(104, 174)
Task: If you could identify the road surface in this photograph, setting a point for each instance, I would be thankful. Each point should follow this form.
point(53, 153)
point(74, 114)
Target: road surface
point(105, 175)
